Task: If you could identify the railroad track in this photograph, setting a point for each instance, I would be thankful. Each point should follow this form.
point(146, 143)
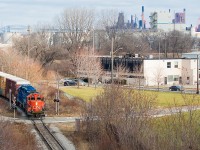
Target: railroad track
point(49, 139)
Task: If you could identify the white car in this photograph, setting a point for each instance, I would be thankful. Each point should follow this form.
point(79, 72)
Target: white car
point(81, 82)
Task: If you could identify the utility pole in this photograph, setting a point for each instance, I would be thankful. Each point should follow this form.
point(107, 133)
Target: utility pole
point(112, 60)
point(10, 98)
point(197, 74)
point(28, 30)
point(159, 49)
point(58, 92)
point(93, 40)
point(56, 101)
point(165, 47)
point(14, 106)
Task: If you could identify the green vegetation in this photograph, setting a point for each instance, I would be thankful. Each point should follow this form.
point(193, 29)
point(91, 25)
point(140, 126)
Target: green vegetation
point(164, 99)
point(182, 127)
point(85, 93)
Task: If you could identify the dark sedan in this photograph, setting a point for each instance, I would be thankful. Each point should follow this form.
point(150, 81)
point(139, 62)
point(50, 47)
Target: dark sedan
point(176, 88)
point(70, 83)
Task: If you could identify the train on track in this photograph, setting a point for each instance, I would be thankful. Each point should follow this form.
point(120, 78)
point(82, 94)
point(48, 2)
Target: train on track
point(20, 92)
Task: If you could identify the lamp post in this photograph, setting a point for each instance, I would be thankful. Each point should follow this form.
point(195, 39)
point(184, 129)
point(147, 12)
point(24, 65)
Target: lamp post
point(197, 74)
point(112, 58)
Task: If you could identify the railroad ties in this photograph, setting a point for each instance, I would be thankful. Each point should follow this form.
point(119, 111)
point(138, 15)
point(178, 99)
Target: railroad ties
point(49, 139)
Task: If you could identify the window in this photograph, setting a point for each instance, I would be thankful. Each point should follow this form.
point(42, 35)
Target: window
point(170, 78)
point(176, 64)
point(176, 77)
point(168, 64)
point(180, 80)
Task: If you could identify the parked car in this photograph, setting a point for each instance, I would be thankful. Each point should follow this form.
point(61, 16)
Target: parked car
point(69, 83)
point(176, 88)
point(81, 82)
point(63, 80)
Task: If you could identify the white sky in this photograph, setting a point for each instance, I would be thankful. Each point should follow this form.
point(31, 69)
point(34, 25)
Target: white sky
point(32, 12)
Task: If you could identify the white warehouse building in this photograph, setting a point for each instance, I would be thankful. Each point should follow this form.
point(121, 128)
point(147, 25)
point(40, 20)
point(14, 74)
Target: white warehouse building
point(170, 71)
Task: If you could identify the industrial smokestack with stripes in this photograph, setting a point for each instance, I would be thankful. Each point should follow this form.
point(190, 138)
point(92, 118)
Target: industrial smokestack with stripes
point(143, 20)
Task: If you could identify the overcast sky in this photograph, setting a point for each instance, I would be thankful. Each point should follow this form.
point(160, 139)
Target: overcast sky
point(32, 12)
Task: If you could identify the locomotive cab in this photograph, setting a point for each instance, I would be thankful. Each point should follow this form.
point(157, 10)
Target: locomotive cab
point(35, 104)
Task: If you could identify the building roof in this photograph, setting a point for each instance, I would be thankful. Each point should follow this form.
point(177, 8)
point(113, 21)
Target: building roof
point(16, 79)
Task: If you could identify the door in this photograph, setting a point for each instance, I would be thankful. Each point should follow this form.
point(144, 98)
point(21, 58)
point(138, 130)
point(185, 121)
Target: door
point(165, 80)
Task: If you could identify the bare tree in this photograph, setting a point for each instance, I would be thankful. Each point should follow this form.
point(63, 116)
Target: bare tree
point(14, 63)
point(116, 127)
point(75, 26)
point(86, 63)
point(78, 63)
point(158, 76)
point(37, 45)
point(121, 72)
point(93, 66)
point(108, 22)
point(178, 43)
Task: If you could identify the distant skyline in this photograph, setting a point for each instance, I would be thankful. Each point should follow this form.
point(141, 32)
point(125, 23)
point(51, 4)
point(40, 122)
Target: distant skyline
point(32, 12)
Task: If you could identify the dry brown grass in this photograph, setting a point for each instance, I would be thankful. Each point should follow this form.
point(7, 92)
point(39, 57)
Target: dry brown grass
point(79, 139)
point(16, 136)
point(5, 109)
point(66, 107)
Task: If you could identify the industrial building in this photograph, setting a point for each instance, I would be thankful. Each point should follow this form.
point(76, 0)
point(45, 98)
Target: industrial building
point(167, 21)
point(151, 72)
point(134, 23)
point(170, 71)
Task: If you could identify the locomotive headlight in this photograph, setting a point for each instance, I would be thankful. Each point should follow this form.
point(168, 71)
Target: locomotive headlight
point(36, 103)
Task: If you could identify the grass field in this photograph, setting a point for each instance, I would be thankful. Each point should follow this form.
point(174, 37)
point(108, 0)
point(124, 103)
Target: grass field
point(85, 93)
point(164, 99)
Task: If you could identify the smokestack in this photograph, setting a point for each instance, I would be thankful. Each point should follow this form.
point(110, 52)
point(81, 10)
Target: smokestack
point(142, 17)
point(169, 10)
point(131, 19)
point(184, 11)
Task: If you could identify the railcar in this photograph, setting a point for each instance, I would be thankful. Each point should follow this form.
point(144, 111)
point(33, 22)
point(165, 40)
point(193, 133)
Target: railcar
point(9, 85)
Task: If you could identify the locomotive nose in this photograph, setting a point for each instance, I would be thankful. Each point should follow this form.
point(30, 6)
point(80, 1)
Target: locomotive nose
point(36, 106)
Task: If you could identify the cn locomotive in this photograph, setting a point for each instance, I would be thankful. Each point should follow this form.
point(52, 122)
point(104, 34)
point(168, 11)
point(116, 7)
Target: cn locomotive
point(21, 92)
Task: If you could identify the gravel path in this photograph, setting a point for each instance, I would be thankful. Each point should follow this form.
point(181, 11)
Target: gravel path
point(64, 141)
